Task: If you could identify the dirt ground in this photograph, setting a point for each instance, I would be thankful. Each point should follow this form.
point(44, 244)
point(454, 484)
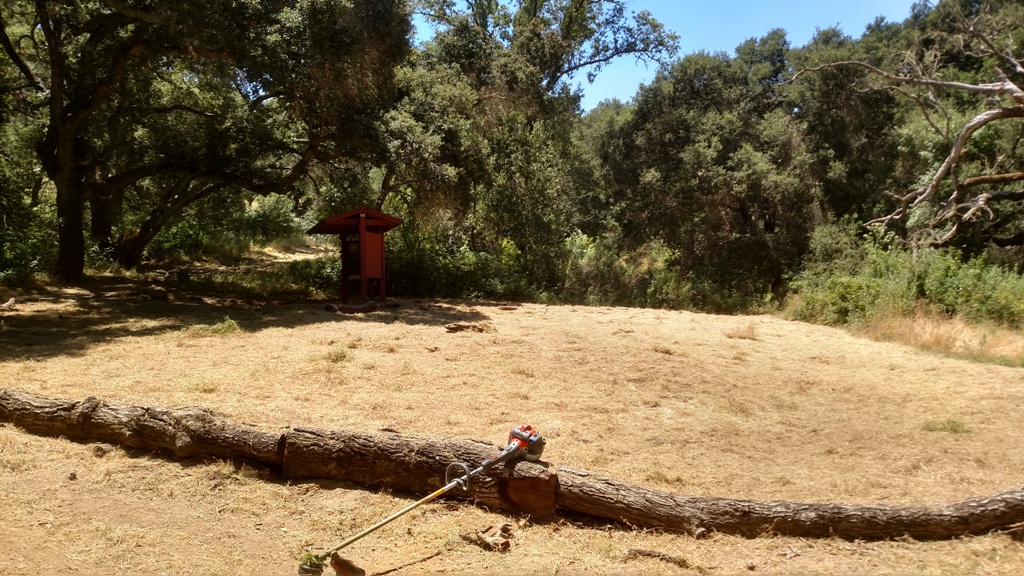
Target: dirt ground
point(745, 407)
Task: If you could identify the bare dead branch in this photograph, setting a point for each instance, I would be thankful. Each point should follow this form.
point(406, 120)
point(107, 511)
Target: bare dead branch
point(993, 179)
point(1005, 87)
point(966, 132)
point(994, 51)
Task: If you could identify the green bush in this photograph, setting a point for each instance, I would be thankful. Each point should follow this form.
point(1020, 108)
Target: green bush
point(420, 264)
point(28, 243)
point(974, 289)
point(181, 239)
point(266, 220)
point(225, 228)
point(598, 273)
point(317, 275)
point(850, 278)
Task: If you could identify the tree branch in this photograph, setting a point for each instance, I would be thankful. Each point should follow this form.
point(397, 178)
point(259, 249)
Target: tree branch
point(5, 41)
point(958, 146)
point(995, 88)
point(993, 179)
point(135, 13)
point(928, 191)
point(120, 68)
point(183, 108)
point(987, 42)
point(1010, 195)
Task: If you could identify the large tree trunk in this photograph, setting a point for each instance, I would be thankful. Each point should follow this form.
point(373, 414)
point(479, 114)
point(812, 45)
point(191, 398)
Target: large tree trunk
point(417, 465)
point(70, 235)
point(128, 249)
point(376, 460)
point(104, 213)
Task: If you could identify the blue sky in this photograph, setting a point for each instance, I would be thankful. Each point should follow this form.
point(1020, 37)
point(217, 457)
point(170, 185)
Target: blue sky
point(714, 25)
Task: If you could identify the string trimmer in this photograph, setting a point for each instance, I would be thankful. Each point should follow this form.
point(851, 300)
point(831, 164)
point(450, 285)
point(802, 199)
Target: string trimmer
point(523, 441)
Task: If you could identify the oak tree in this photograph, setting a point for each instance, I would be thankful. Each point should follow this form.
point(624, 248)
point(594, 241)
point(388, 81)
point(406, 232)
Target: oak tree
point(161, 104)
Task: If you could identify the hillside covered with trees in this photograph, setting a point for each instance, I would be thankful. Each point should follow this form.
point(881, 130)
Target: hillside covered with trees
point(843, 175)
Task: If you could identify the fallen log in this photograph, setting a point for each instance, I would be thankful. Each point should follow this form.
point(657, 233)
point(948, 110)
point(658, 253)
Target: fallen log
point(417, 465)
point(583, 492)
point(184, 432)
point(414, 465)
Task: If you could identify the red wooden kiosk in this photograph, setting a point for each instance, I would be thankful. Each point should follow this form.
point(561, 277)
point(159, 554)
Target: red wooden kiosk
point(362, 249)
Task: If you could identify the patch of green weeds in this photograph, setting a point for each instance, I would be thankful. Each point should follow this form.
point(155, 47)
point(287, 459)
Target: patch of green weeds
point(336, 355)
point(948, 425)
point(224, 328)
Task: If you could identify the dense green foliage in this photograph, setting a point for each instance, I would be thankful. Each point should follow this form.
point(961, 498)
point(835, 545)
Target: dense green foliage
point(151, 131)
point(851, 278)
point(139, 109)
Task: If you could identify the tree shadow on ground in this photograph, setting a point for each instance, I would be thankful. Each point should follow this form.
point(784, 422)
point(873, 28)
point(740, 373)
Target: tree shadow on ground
point(51, 321)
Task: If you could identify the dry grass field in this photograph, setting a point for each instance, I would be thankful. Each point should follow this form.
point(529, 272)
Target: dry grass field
point(746, 407)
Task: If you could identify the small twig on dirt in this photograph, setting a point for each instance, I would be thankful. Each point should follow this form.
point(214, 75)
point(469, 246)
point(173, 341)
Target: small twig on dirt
point(1015, 532)
point(791, 554)
point(641, 553)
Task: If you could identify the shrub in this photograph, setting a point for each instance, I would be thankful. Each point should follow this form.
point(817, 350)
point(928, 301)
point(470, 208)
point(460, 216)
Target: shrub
point(423, 264)
point(598, 272)
point(28, 244)
point(225, 227)
point(223, 328)
point(850, 279)
point(266, 220)
point(316, 275)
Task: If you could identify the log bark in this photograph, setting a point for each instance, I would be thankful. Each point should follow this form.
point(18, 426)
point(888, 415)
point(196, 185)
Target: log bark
point(583, 492)
point(185, 431)
point(417, 465)
point(414, 465)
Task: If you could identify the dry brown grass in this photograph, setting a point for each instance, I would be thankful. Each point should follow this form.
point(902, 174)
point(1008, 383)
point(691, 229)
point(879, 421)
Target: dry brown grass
point(752, 407)
point(954, 337)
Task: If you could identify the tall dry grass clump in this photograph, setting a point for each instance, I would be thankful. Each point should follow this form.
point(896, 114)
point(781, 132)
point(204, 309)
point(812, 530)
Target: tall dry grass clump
point(949, 336)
